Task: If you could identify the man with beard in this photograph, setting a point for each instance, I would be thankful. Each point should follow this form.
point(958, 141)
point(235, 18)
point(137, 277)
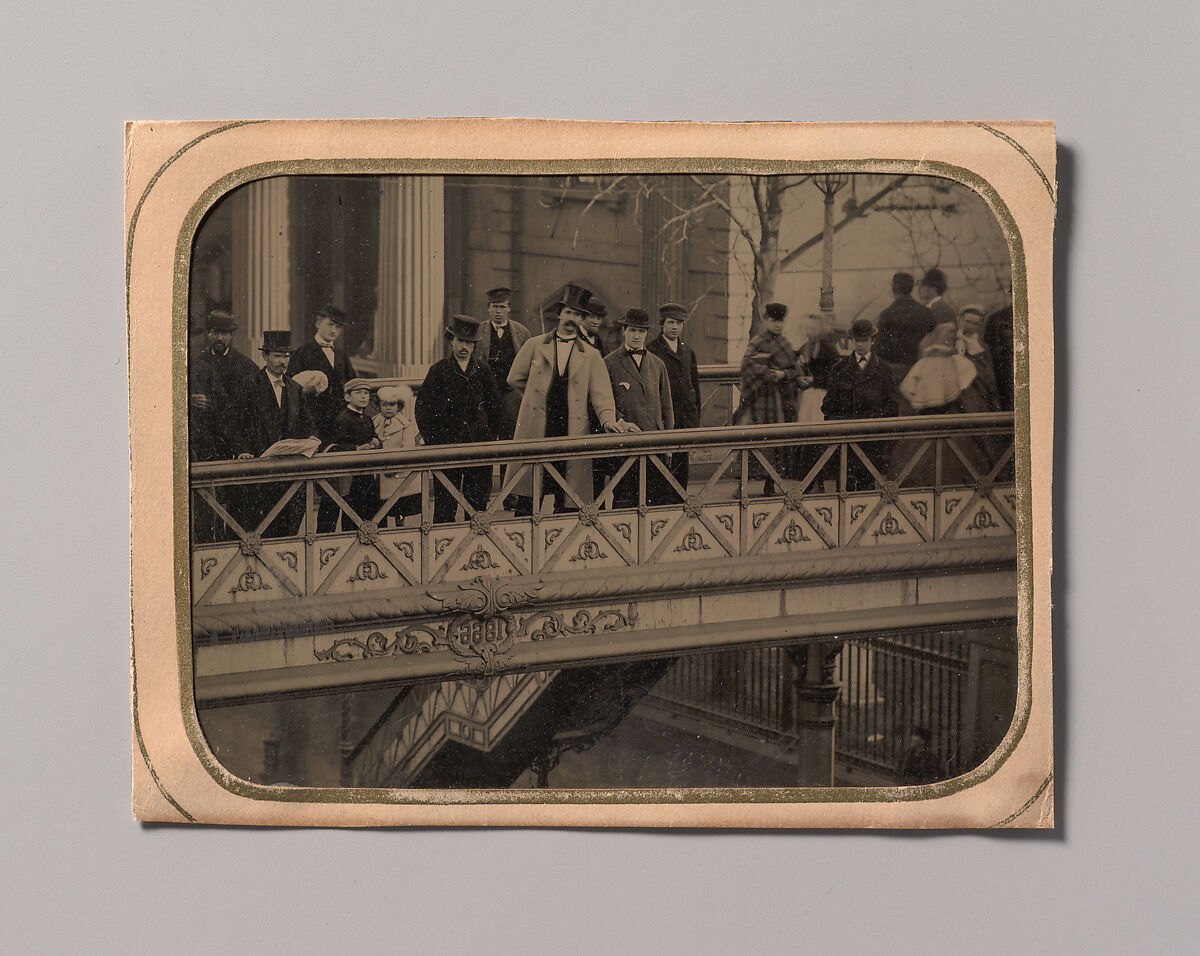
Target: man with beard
point(500, 340)
point(561, 381)
point(229, 368)
point(457, 403)
point(324, 355)
point(683, 376)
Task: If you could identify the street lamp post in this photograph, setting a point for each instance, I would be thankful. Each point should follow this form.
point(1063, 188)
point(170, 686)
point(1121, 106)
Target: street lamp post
point(829, 184)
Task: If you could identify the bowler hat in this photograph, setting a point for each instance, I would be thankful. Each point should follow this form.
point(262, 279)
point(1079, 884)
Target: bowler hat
point(499, 294)
point(862, 329)
point(597, 308)
point(218, 320)
point(332, 312)
point(636, 319)
point(573, 297)
point(464, 327)
point(673, 310)
point(775, 310)
point(935, 279)
point(277, 340)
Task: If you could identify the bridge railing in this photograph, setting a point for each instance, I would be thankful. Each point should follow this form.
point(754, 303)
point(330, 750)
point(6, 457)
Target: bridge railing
point(268, 529)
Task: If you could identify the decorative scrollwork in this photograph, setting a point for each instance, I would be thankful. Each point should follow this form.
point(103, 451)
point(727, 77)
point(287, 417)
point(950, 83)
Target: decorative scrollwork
point(405, 548)
point(417, 639)
point(856, 510)
point(657, 526)
point(726, 522)
point(250, 580)
point(951, 503)
point(368, 532)
point(692, 541)
point(484, 630)
point(792, 534)
point(481, 522)
point(588, 515)
point(426, 528)
point(624, 530)
point(310, 538)
point(486, 597)
point(554, 624)
point(758, 518)
point(552, 535)
point(919, 507)
point(825, 514)
point(982, 521)
point(588, 551)
point(517, 538)
point(791, 500)
point(888, 527)
point(288, 558)
point(367, 570)
point(206, 566)
point(440, 545)
point(326, 554)
point(250, 544)
point(691, 507)
point(481, 560)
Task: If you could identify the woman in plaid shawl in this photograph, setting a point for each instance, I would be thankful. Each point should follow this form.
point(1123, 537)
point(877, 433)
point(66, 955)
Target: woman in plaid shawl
point(771, 380)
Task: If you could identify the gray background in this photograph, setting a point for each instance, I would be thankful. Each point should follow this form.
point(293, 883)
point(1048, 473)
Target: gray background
point(1121, 83)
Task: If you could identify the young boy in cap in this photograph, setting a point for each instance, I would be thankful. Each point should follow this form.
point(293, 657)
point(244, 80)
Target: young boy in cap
point(683, 376)
point(352, 430)
point(771, 377)
point(457, 403)
point(395, 429)
point(500, 340)
point(862, 386)
point(642, 395)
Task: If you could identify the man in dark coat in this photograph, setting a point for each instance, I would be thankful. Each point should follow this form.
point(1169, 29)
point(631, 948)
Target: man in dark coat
point(683, 376)
point(229, 369)
point(642, 395)
point(933, 293)
point(459, 402)
point(902, 325)
point(861, 386)
point(500, 340)
point(324, 355)
point(271, 407)
point(589, 328)
point(771, 376)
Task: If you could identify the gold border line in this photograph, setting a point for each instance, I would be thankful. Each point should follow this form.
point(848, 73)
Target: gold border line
point(1024, 152)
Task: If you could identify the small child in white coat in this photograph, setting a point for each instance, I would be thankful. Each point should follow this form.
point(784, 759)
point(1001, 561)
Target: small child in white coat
point(395, 428)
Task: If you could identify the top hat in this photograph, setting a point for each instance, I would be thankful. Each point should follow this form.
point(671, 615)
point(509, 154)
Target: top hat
point(574, 297)
point(862, 329)
point(499, 294)
point(218, 320)
point(775, 310)
point(673, 310)
point(332, 312)
point(464, 327)
point(636, 319)
point(277, 340)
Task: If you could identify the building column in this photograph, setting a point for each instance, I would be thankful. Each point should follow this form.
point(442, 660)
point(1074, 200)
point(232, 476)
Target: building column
point(815, 714)
point(412, 283)
point(261, 257)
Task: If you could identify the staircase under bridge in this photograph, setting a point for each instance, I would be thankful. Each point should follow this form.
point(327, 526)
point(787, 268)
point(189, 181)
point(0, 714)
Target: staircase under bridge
point(492, 627)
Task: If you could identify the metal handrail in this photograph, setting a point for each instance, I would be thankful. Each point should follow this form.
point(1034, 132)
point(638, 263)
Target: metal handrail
point(340, 464)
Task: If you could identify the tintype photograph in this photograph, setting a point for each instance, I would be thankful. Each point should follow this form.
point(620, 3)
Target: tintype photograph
point(606, 482)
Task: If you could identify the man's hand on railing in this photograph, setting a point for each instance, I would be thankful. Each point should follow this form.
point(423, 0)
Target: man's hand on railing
point(621, 427)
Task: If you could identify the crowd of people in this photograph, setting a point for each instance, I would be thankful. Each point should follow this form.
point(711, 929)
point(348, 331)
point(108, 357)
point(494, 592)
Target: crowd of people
point(500, 381)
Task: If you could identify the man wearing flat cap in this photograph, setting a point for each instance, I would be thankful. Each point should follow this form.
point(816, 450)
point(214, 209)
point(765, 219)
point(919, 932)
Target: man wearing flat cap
point(323, 354)
point(771, 377)
point(500, 340)
point(229, 368)
point(458, 403)
point(271, 408)
point(683, 376)
point(561, 380)
point(642, 395)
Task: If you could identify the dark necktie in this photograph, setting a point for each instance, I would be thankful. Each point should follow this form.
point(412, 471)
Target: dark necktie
point(638, 353)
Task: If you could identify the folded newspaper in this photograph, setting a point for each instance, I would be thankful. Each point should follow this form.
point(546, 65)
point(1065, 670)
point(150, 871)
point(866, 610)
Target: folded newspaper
point(293, 446)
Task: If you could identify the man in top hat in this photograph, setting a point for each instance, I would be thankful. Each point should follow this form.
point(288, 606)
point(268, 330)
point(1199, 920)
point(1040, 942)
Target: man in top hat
point(501, 338)
point(902, 325)
point(771, 377)
point(459, 402)
point(862, 386)
point(932, 292)
point(323, 354)
point(589, 328)
point(229, 368)
point(271, 407)
point(642, 395)
point(561, 381)
point(683, 376)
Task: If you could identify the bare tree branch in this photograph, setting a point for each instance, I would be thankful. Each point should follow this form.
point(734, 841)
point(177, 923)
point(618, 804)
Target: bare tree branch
point(591, 202)
point(856, 213)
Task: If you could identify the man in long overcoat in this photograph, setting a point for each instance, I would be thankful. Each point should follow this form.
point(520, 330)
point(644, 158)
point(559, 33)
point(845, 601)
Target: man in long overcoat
point(642, 395)
point(229, 369)
point(323, 354)
point(902, 325)
point(458, 403)
point(271, 407)
point(500, 340)
point(683, 376)
point(561, 380)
